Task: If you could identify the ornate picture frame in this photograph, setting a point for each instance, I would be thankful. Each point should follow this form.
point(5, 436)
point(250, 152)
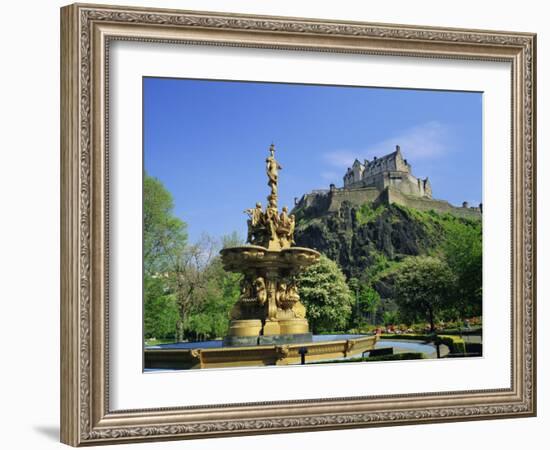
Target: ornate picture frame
point(86, 34)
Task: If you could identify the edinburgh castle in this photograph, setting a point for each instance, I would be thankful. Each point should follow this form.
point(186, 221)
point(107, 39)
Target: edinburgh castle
point(385, 180)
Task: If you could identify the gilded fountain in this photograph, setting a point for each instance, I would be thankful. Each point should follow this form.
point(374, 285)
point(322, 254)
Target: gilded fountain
point(268, 323)
point(269, 310)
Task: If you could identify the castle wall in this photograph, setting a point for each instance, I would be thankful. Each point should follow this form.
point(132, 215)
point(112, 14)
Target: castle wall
point(403, 181)
point(357, 173)
point(428, 188)
point(394, 196)
point(319, 203)
point(379, 165)
point(401, 165)
point(354, 196)
point(319, 200)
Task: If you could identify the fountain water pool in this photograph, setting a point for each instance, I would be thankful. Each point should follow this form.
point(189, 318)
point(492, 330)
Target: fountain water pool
point(404, 346)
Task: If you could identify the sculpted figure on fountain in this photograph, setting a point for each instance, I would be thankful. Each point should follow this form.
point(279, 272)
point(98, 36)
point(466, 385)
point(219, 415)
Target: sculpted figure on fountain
point(268, 228)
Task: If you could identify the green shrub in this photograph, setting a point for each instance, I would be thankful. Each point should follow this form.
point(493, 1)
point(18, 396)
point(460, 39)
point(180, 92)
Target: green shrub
point(455, 343)
point(366, 213)
point(363, 329)
point(463, 331)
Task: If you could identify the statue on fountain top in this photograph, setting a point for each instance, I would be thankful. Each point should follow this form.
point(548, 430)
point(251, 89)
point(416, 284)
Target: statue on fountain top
point(272, 169)
point(268, 228)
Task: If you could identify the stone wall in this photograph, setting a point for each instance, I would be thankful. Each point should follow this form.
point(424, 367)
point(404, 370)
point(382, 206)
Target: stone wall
point(394, 196)
point(354, 196)
point(319, 203)
point(404, 181)
point(314, 204)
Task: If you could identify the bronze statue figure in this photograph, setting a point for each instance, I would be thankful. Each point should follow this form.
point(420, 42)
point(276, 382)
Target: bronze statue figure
point(285, 230)
point(272, 168)
point(261, 291)
point(272, 220)
point(255, 224)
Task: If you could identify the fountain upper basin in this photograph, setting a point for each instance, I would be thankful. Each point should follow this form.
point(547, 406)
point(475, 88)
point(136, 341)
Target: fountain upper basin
point(236, 259)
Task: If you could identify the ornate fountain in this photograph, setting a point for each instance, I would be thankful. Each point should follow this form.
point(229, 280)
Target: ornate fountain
point(268, 322)
point(269, 310)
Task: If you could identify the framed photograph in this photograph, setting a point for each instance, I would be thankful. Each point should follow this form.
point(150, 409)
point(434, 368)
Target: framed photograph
point(276, 224)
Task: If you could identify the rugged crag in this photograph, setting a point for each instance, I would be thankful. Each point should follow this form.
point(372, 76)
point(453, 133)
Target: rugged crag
point(357, 237)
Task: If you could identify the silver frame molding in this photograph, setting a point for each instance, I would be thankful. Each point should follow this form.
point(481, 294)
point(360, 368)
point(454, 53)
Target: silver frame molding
point(86, 31)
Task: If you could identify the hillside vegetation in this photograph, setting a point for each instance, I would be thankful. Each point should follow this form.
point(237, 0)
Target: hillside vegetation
point(378, 247)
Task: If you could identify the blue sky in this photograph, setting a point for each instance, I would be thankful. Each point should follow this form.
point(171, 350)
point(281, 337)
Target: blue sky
point(207, 142)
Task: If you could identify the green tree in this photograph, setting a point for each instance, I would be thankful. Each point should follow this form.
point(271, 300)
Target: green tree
point(164, 237)
point(187, 292)
point(205, 291)
point(210, 318)
point(164, 234)
point(189, 279)
point(367, 300)
point(160, 312)
point(390, 317)
point(232, 240)
point(326, 296)
point(463, 251)
point(424, 288)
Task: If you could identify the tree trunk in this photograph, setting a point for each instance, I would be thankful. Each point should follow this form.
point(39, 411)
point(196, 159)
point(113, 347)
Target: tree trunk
point(180, 330)
point(432, 331)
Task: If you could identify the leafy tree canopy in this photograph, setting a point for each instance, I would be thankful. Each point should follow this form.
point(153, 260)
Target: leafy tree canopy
point(424, 287)
point(367, 300)
point(463, 250)
point(164, 235)
point(326, 296)
point(160, 310)
point(209, 319)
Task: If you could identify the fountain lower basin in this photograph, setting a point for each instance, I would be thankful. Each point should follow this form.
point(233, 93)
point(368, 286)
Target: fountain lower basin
point(212, 354)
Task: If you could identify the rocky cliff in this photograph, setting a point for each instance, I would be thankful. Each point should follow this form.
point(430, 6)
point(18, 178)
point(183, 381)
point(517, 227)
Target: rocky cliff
point(359, 237)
